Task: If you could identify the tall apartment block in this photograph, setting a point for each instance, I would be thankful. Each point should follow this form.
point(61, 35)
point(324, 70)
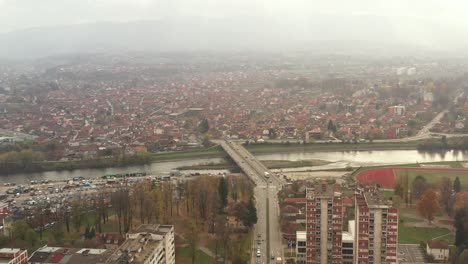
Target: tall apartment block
point(376, 228)
point(324, 222)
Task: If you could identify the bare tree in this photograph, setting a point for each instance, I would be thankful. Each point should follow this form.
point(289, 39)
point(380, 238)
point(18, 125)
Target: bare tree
point(121, 202)
point(446, 197)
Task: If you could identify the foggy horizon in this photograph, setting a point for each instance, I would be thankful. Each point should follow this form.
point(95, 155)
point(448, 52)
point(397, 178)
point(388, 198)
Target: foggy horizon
point(29, 29)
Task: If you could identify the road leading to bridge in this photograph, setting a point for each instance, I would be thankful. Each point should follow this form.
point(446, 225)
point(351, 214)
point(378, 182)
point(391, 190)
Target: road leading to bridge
point(267, 184)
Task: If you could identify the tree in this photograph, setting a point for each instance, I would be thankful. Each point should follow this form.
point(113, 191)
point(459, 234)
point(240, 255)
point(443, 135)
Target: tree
point(331, 126)
point(121, 202)
point(428, 205)
point(78, 214)
point(461, 226)
point(203, 126)
point(206, 141)
point(192, 239)
point(456, 185)
point(461, 200)
point(223, 191)
point(203, 196)
point(445, 190)
point(251, 214)
point(246, 212)
point(272, 134)
point(167, 198)
point(402, 187)
point(86, 232)
point(31, 237)
point(20, 228)
point(419, 186)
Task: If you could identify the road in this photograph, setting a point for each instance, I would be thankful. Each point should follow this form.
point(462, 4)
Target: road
point(110, 106)
point(267, 230)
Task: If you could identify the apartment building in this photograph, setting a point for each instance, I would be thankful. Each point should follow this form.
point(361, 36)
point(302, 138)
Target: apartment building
point(376, 228)
point(13, 256)
point(324, 225)
point(149, 244)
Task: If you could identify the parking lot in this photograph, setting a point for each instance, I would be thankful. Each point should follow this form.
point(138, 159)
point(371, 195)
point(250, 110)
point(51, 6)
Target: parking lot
point(410, 253)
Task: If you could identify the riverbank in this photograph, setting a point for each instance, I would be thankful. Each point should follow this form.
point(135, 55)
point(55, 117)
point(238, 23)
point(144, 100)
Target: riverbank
point(270, 164)
point(107, 162)
point(265, 148)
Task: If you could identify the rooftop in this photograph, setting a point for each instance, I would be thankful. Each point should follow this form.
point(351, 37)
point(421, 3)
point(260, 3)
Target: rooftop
point(376, 199)
point(322, 190)
point(140, 244)
point(70, 255)
point(437, 244)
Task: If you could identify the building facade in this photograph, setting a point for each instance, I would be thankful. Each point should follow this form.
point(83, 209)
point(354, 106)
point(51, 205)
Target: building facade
point(376, 228)
point(347, 240)
point(13, 256)
point(438, 249)
point(301, 247)
point(324, 225)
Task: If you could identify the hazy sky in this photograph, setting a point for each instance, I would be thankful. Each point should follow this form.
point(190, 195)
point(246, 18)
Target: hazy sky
point(19, 14)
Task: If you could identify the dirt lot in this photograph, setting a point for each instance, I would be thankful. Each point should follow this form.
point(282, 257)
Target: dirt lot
point(314, 174)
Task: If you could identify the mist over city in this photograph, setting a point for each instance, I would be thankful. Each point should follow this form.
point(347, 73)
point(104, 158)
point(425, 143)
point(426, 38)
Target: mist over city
point(220, 131)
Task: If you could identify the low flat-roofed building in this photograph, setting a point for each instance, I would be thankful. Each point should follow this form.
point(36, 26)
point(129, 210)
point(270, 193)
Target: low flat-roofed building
point(61, 255)
point(149, 244)
point(13, 256)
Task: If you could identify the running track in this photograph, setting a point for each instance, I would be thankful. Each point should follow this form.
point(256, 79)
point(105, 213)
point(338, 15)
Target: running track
point(385, 177)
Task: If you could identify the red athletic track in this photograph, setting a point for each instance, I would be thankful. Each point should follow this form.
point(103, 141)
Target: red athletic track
point(385, 177)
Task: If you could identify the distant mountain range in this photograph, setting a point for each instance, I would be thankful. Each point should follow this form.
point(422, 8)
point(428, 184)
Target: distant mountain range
point(321, 34)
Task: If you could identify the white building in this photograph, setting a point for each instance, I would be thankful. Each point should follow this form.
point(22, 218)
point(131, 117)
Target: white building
point(149, 244)
point(347, 240)
point(13, 256)
point(301, 246)
point(438, 248)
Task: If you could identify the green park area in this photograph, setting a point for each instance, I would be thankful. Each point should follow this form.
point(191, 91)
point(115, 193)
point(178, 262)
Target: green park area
point(414, 235)
point(433, 176)
point(413, 229)
point(184, 255)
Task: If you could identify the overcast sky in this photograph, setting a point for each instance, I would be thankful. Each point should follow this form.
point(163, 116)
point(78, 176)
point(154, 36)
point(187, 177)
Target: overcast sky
point(20, 14)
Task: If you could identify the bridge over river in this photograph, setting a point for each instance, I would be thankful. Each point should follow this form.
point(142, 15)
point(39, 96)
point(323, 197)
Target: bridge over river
point(268, 246)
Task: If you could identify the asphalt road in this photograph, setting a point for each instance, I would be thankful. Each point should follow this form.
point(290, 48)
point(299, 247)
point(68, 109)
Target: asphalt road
point(267, 230)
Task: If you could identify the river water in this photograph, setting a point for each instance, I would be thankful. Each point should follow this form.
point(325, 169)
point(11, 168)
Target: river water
point(339, 159)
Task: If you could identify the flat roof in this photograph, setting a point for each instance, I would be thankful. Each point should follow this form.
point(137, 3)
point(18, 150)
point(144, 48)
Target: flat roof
point(9, 250)
point(70, 255)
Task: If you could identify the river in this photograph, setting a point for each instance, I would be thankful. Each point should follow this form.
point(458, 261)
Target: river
point(342, 159)
point(339, 159)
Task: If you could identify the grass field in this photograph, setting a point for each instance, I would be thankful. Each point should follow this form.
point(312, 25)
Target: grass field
point(414, 235)
point(433, 176)
point(185, 253)
point(212, 246)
